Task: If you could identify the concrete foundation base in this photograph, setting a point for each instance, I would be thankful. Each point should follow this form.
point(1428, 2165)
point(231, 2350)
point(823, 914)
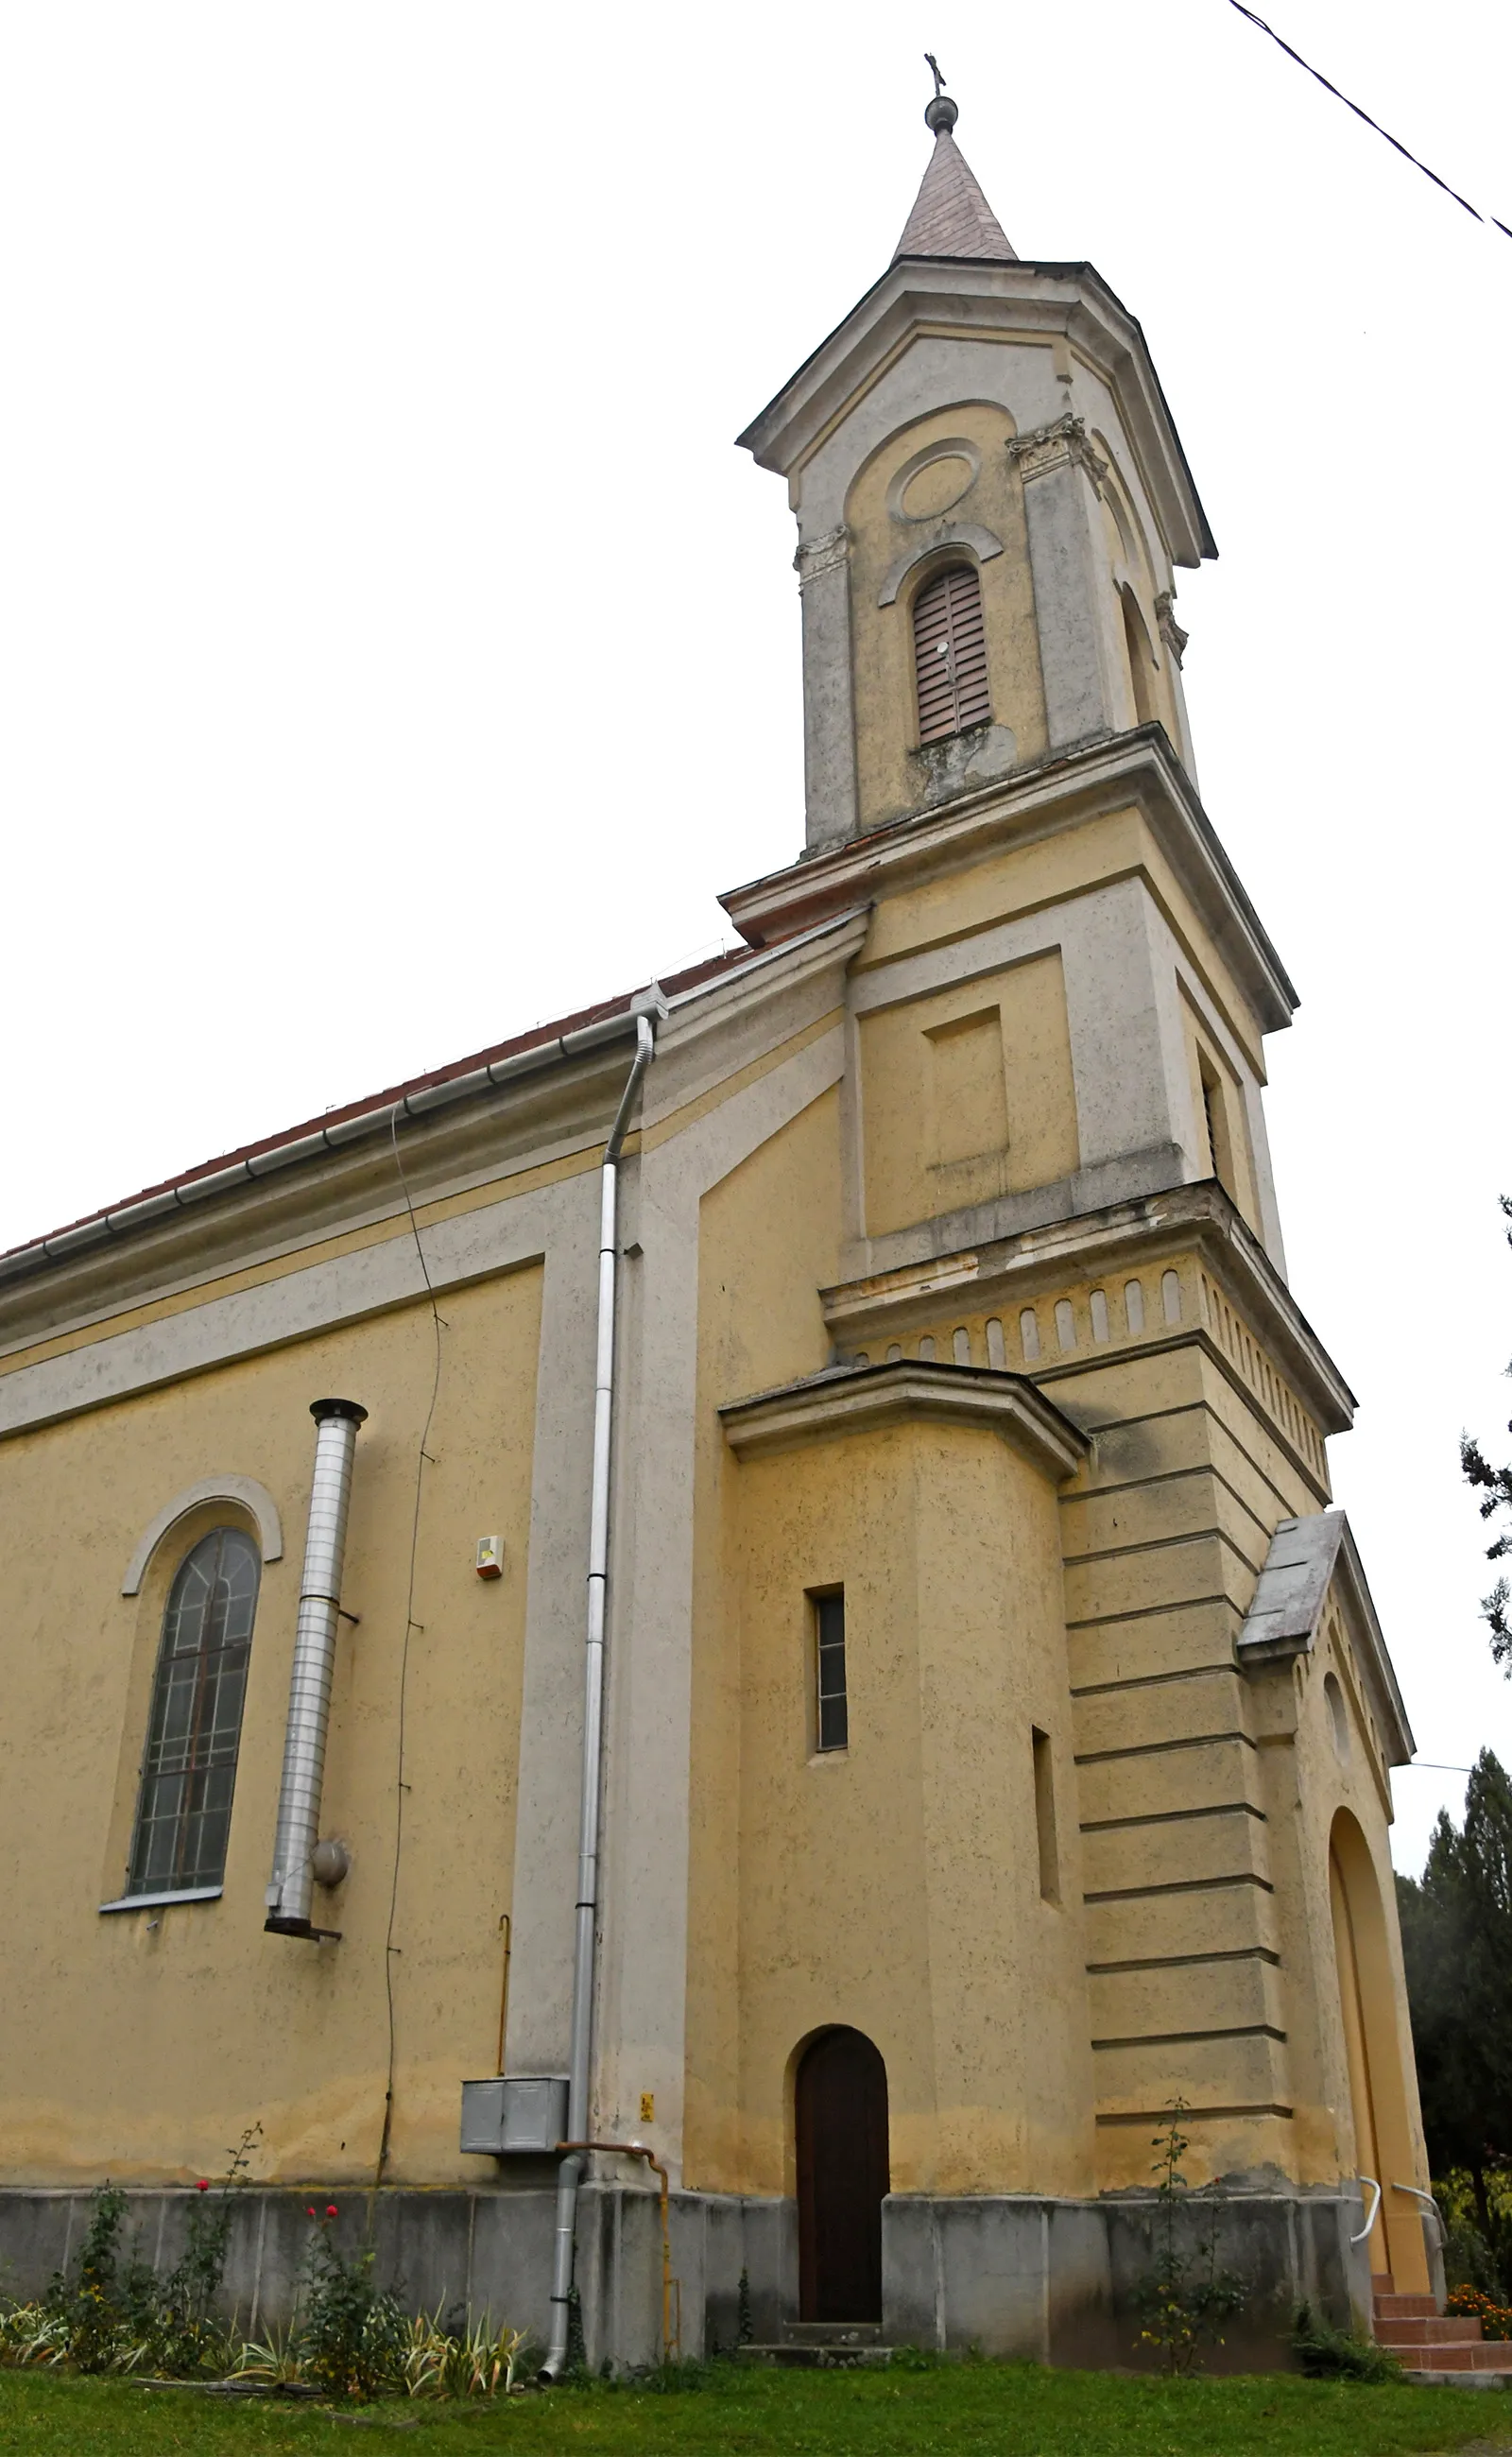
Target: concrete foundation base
point(1052, 2280)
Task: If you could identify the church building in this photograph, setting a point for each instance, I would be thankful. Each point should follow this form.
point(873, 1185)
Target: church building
point(704, 1660)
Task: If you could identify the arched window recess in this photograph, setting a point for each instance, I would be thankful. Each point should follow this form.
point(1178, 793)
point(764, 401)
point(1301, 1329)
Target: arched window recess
point(194, 1733)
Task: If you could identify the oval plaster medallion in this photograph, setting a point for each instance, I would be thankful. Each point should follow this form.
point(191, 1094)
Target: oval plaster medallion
point(933, 479)
point(935, 487)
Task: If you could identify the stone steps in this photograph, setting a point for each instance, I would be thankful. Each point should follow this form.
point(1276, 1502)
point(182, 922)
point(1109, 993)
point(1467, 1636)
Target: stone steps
point(1437, 2349)
point(823, 2346)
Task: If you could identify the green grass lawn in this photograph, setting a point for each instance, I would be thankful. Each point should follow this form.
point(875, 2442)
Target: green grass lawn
point(1009, 2410)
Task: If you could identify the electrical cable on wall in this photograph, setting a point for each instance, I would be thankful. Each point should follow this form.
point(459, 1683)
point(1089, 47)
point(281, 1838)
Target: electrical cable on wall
point(410, 1625)
point(1489, 219)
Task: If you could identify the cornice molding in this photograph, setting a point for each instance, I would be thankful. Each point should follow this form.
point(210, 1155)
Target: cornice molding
point(498, 1122)
point(866, 1398)
point(1011, 1271)
point(1029, 804)
point(1033, 300)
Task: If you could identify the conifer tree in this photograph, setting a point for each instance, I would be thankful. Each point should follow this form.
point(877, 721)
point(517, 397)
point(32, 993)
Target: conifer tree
point(1457, 1943)
point(1495, 1487)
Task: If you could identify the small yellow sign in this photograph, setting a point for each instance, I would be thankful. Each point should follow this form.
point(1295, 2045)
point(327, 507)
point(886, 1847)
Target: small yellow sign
point(648, 2107)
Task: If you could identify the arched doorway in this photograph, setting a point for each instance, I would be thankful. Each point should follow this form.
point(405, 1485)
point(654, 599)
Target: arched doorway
point(840, 2125)
point(1373, 2031)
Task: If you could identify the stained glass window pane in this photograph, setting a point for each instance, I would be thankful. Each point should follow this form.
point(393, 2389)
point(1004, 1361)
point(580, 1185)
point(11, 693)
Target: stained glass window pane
point(189, 1771)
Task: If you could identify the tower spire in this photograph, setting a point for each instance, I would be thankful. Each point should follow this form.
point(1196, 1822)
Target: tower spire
point(951, 217)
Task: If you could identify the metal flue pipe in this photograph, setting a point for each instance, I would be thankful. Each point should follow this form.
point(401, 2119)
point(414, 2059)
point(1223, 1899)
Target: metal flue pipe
point(298, 1832)
point(580, 2052)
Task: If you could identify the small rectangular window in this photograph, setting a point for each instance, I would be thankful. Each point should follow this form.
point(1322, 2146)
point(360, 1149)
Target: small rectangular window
point(830, 1724)
point(1044, 1816)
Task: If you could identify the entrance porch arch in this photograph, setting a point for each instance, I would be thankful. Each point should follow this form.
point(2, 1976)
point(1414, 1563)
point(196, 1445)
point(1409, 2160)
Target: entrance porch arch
point(1373, 2038)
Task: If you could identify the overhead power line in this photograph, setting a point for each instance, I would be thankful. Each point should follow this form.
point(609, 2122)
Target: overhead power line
point(1401, 149)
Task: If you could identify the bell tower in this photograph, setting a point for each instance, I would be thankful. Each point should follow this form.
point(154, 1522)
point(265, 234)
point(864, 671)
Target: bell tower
point(1054, 1172)
point(998, 418)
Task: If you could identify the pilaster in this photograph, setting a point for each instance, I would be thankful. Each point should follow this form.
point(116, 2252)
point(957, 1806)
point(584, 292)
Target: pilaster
point(829, 719)
point(1059, 472)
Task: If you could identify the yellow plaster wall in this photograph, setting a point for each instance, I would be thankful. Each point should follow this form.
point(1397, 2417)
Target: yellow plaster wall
point(890, 775)
point(769, 1240)
point(968, 1094)
point(139, 2044)
point(896, 1886)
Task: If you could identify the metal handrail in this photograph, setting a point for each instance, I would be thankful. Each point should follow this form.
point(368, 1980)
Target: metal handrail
point(1375, 2209)
point(1418, 2195)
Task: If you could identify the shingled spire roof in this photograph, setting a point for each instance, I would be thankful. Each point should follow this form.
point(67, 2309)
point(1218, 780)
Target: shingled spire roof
point(951, 217)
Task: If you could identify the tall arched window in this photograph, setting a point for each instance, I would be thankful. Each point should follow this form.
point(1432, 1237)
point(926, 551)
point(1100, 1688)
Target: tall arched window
point(950, 653)
point(189, 1769)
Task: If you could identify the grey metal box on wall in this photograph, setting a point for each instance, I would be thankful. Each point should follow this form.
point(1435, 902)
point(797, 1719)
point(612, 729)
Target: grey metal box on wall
point(523, 2113)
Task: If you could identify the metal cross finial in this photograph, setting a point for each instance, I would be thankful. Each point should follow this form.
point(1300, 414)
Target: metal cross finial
point(941, 114)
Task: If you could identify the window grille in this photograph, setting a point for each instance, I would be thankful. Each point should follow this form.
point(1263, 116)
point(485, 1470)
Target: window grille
point(950, 654)
point(829, 1651)
point(189, 1771)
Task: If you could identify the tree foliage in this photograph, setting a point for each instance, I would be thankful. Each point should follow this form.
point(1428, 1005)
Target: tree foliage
point(1457, 1943)
point(1494, 1484)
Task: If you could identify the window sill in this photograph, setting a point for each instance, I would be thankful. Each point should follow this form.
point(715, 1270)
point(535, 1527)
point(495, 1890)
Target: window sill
point(150, 1902)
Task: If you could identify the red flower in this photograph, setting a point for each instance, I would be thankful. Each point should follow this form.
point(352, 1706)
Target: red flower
point(330, 2209)
point(310, 2211)
point(203, 2185)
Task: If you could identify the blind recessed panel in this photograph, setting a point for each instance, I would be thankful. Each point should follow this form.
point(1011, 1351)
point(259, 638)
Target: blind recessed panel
point(950, 654)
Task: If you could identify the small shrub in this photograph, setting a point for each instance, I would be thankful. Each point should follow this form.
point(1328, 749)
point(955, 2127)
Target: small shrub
point(916, 2359)
point(1327, 2353)
point(1186, 2297)
point(352, 2333)
point(745, 2326)
point(673, 2376)
point(88, 2303)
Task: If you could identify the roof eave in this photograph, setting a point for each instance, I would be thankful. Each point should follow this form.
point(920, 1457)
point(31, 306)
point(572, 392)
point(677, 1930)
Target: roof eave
point(783, 434)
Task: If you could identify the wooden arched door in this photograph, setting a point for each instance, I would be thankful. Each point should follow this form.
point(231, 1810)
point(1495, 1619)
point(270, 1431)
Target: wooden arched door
point(840, 2120)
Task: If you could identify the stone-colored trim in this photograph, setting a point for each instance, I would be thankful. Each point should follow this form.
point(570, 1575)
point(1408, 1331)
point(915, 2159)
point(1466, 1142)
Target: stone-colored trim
point(864, 1400)
point(1306, 1557)
point(1057, 446)
point(1139, 767)
point(1025, 302)
point(968, 533)
point(252, 1496)
point(831, 553)
point(1008, 1271)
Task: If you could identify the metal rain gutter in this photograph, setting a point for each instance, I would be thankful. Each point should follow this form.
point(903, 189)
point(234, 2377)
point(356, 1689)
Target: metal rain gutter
point(108, 1226)
point(579, 2059)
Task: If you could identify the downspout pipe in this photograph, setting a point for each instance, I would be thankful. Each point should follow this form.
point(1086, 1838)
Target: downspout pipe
point(570, 2174)
point(298, 1829)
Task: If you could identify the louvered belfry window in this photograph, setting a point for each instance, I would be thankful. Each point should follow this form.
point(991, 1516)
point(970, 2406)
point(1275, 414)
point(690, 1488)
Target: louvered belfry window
point(950, 654)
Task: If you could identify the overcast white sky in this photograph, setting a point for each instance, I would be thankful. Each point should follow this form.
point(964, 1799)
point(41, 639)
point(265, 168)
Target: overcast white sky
point(361, 355)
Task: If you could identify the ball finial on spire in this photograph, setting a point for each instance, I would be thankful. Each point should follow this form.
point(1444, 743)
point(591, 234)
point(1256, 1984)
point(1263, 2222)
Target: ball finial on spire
point(941, 114)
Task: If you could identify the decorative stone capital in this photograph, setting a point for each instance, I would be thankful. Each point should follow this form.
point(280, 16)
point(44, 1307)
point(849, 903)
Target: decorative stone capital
point(1063, 441)
point(1171, 630)
point(828, 554)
